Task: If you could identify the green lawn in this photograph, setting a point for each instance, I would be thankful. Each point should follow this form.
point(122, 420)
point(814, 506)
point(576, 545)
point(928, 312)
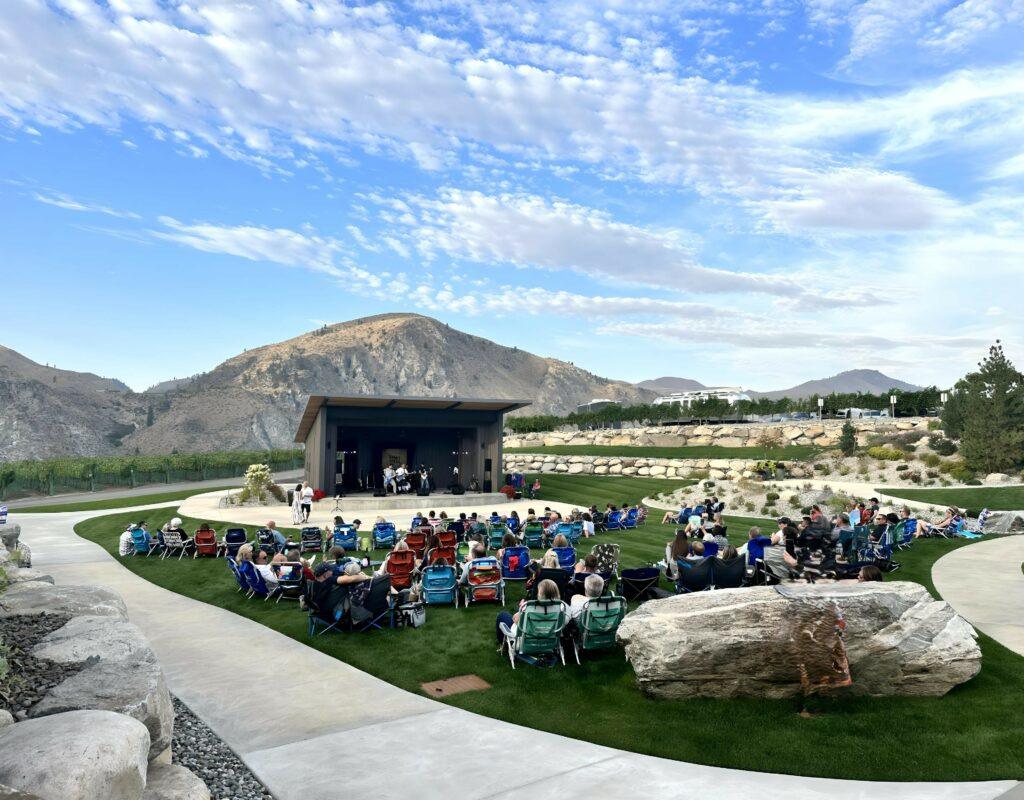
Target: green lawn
point(118, 502)
point(599, 490)
point(790, 453)
point(971, 734)
point(996, 498)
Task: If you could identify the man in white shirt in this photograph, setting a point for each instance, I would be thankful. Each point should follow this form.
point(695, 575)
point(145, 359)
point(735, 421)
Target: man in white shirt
point(125, 545)
point(307, 501)
point(389, 479)
point(401, 478)
point(593, 587)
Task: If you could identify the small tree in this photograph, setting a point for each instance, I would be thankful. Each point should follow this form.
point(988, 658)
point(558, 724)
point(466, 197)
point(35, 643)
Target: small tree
point(257, 479)
point(992, 401)
point(848, 439)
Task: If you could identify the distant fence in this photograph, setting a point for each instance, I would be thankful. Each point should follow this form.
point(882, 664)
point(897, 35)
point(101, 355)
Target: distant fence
point(60, 476)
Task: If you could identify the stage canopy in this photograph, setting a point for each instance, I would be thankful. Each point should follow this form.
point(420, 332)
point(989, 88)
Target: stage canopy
point(350, 440)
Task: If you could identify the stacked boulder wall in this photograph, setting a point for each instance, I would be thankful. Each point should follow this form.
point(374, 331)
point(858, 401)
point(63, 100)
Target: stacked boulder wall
point(877, 639)
point(119, 673)
point(81, 755)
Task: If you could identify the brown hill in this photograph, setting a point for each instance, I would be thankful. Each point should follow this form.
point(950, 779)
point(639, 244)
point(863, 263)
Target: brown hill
point(255, 399)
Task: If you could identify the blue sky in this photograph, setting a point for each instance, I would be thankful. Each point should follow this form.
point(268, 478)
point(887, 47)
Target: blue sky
point(754, 192)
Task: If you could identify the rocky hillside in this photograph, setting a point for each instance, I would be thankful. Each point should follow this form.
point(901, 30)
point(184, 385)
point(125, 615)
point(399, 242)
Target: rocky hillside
point(47, 412)
point(870, 381)
point(255, 399)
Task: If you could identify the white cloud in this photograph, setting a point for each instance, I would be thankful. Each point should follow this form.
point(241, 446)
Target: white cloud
point(69, 203)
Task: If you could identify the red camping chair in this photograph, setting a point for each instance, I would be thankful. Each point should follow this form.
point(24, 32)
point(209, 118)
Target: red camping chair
point(206, 543)
point(400, 567)
point(447, 539)
point(417, 541)
point(437, 553)
point(484, 582)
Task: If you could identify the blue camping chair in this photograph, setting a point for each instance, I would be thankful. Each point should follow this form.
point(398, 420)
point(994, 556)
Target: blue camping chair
point(143, 544)
point(533, 534)
point(566, 558)
point(252, 576)
point(439, 585)
point(345, 537)
point(243, 585)
point(710, 549)
point(234, 538)
point(384, 535)
point(882, 549)
point(575, 533)
point(514, 562)
point(629, 521)
point(905, 534)
point(613, 522)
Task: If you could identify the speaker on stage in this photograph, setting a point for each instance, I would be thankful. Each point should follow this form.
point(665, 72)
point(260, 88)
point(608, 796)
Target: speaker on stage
point(423, 491)
point(381, 492)
point(458, 488)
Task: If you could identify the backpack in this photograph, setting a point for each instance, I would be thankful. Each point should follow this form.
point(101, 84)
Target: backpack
point(412, 615)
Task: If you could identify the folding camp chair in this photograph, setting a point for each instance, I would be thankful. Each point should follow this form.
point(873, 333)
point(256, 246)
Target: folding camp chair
point(533, 534)
point(905, 534)
point(243, 584)
point(174, 542)
point(566, 557)
point(575, 533)
point(557, 576)
point(710, 549)
point(607, 555)
point(311, 540)
point(346, 537)
point(730, 574)
point(448, 538)
point(371, 607)
point(597, 624)
point(537, 638)
point(417, 541)
point(384, 535)
point(234, 538)
point(254, 580)
point(400, 566)
point(142, 544)
point(629, 520)
point(266, 541)
point(291, 583)
point(462, 552)
point(694, 576)
point(483, 582)
point(439, 585)
point(205, 541)
point(639, 583)
point(613, 522)
point(436, 554)
point(641, 515)
point(514, 562)
point(495, 534)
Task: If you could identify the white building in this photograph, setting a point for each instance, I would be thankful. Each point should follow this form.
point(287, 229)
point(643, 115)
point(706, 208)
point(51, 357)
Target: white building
point(731, 394)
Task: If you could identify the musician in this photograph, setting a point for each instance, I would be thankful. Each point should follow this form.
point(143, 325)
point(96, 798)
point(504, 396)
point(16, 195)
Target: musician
point(424, 477)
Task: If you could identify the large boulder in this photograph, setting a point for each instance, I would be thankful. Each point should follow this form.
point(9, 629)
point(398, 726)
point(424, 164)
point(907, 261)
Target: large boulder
point(9, 535)
point(134, 686)
point(7, 793)
point(26, 574)
point(1005, 522)
point(89, 637)
point(36, 597)
point(81, 755)
point(873, 638)
point(174, 782)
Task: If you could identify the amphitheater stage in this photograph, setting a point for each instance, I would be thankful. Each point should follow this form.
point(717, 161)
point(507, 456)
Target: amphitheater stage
point(367, 502)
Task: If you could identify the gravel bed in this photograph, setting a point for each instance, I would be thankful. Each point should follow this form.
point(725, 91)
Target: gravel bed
point(28, 678)
point(199, 749)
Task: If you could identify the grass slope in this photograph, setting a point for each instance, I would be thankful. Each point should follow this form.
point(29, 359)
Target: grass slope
point(599, 490)
point(971, 734)
point(790, 453)
point(996, 498)
point(118, 502)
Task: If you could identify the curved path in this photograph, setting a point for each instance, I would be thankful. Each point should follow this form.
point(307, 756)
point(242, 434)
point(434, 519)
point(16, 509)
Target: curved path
point(336, 730)
point(985, 585)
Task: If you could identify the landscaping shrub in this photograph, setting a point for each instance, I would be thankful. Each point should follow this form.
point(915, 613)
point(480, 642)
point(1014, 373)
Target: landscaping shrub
point(885, 453)
point(698, 474)
point(848, 439)
point(902, 467)
point(958, 471)
point(771, 498)
point(931, 460)
point(914, 476)
point(934, 425)
point(942, 446)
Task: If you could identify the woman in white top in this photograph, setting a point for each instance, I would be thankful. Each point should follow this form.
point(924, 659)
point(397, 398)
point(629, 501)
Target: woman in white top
point(546, 590)
point(297, 505)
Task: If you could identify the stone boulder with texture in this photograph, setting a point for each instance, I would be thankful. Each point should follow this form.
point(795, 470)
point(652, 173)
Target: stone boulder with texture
point(174, 782)
point(37, 597)
point(1005, 522)
point(875, 639)
point(81, 755)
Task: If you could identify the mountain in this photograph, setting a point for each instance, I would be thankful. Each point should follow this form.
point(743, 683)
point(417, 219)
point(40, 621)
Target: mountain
point(47, 412)
point(870, 381)
point(668, 385)
point(169, 386)
point(255, 399)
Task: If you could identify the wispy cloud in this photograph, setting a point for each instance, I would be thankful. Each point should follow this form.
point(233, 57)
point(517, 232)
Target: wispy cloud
point(69, 203)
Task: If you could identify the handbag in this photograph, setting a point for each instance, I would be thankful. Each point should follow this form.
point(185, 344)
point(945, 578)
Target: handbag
point(411, 615)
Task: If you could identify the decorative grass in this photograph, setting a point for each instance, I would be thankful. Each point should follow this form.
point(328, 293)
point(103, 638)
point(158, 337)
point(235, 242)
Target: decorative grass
point(973, 733)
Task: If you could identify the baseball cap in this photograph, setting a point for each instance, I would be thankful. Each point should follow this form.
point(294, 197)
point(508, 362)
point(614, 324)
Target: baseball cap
point(321, 569)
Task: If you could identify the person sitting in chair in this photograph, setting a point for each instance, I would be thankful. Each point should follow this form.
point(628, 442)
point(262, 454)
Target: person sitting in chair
point(593, 587)
point(546, 590)
point(279, 540)
point(476, 554)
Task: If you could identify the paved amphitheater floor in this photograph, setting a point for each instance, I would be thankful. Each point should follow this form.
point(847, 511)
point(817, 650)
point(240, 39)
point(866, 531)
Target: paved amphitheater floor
point(338, 731)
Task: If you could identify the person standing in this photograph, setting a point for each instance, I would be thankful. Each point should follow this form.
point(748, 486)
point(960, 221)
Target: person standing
point(307, 501)
point(297, 505)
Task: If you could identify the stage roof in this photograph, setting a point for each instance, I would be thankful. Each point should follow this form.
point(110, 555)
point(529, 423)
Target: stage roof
point(317, 401)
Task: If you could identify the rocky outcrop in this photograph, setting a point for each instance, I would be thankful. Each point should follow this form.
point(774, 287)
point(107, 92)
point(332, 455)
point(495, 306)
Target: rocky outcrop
point(1005, 522)
point(7, 793)
point(9, 535)
point(37, 597)
point(81, 755)
point(777, 642)
point(173, 782)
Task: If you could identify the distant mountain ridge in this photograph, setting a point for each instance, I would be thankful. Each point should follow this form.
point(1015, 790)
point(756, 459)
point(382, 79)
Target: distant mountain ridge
point(254, 400)
point(870, 381)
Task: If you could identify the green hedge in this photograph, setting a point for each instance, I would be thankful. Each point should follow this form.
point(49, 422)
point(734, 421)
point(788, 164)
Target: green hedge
point(58, 475)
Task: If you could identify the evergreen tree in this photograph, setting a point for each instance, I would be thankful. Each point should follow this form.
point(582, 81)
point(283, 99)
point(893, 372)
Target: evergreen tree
point(149, 416)
point(992, 403)
point(848, 439)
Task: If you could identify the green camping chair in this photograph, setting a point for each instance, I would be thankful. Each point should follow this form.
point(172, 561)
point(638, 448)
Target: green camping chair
point(538, 635)
point(596, 626)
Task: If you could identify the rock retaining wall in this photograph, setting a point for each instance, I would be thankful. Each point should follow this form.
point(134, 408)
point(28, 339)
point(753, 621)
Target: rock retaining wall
point(716, 468)
point(804, 432)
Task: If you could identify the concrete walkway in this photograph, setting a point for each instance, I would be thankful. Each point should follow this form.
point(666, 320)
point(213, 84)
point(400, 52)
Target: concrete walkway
point(139, 491)
point(313, 728)
point(985, 585)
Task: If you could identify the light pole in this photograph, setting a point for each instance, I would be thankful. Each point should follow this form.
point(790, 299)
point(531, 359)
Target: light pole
point(892, 404)
point(821, 406)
